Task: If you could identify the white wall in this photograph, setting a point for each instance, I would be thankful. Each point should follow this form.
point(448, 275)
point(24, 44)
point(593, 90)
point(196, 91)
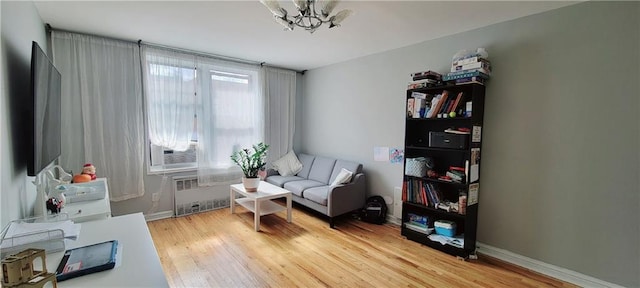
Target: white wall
point(560, 160)
point(21, 24)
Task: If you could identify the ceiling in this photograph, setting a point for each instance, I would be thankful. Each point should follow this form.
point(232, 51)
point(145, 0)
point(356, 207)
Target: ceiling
point(246, 30)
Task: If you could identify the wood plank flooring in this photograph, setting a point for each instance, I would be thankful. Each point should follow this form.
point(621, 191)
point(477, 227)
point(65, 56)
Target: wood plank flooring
point(218, 249)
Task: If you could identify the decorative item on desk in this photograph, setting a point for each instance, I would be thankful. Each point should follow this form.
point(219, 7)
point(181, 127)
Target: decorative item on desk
point(54, 206)
point(250, 163)
point(58, 193)
point(90, 170)
point(81, 178)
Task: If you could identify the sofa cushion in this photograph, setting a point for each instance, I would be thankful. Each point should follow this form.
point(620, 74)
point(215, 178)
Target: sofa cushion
point(343, 177)
point(280, 180)
point(321, 169)
point(354, 167)
point(317, 194)
point(288, 164)
point(307, 161)
point(296, 187)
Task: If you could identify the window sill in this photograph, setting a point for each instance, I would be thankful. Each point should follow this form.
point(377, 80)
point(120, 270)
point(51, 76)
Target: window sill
point(159, 170)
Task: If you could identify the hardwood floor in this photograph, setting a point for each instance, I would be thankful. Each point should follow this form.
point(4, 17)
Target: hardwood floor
point(217, 249)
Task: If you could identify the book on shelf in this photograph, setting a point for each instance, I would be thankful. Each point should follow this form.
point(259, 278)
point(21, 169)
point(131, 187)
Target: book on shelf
point(432, 81)
point(419, 220)
point(483, 64)
point(425, 230)
point(422, 85)
point(474, 79)
point(481, 70)
point(441, 102)
point(455, 76)
point(459, 131)
point(434, 104)
point(469, 60)
point(419, 107)
point(456, 168)
point(456, 103)
point(410, 107)
point(419, 95)
point(455, 176)
point(426, 75)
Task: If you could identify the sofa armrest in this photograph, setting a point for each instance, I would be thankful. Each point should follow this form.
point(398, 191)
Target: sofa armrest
point(345, 198)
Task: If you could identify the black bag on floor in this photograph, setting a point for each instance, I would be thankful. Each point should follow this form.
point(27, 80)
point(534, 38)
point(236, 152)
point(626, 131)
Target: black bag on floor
point(375, 210)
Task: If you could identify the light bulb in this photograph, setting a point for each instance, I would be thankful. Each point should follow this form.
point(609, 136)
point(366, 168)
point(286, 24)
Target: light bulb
point(274, 7)
point(338, 18)
point(284, 22)
point(300, 4)
point(328, 7)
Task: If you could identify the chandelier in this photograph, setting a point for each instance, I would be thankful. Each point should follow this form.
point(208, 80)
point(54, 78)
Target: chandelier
point(307, 17)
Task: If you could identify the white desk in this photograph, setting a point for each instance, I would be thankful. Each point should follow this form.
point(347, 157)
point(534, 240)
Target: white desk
point(140, 265)
point(90, 210)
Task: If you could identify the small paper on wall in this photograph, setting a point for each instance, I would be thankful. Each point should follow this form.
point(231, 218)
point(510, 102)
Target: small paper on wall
point(396, 155)
point(381, 154)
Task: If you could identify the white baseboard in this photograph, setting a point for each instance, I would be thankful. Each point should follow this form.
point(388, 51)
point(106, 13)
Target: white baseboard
point(543, 268)
point(158, 215)
point(392, 219)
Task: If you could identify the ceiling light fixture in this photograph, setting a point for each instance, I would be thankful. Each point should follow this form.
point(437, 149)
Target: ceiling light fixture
point(307, 17)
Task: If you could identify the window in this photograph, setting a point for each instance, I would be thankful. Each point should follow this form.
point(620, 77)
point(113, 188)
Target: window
point(171, 81)
point(198, 117)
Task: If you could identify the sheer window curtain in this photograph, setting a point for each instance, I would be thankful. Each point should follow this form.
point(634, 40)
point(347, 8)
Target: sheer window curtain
point(280, 95)
point(102, 109)
point(230, 116)
point(170, 86)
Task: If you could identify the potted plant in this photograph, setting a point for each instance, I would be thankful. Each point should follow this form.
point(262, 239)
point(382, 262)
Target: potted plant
point(250, 162)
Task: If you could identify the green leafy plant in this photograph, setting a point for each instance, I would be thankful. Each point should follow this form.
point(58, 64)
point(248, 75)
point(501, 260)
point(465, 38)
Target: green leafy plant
point(251, 161)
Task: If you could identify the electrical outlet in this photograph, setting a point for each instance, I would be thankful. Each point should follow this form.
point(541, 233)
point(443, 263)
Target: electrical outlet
point(155, 197)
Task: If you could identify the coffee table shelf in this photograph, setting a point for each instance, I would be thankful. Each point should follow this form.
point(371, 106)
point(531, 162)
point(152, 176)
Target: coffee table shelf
point(266, 207)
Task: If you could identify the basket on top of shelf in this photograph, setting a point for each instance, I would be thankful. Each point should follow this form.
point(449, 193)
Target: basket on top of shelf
point(418, 166)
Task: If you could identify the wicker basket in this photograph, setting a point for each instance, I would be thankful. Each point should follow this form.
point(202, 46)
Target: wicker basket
point(416, 167)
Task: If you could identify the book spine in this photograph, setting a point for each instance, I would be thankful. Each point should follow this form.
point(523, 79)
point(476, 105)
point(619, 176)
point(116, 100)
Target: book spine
point(481, 70)
point(465, 75)
point(469, 60)
point(474, 79)
point(475, 65)
point(410, 107)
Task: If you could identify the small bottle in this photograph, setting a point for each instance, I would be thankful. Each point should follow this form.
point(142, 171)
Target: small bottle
point(462, 203)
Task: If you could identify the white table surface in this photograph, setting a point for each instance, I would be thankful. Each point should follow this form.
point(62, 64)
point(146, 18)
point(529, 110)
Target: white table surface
point(140, 265)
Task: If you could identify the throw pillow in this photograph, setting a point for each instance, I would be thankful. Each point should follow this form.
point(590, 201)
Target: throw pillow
point(287, 165)
point(343, 177)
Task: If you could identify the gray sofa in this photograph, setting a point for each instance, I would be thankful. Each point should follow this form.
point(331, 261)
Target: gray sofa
point(311, 186)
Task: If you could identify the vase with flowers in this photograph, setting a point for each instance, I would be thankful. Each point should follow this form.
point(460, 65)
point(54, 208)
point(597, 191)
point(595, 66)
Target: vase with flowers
point(250, 162)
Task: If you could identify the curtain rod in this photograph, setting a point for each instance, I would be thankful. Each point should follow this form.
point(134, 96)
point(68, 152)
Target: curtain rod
point(140, 42)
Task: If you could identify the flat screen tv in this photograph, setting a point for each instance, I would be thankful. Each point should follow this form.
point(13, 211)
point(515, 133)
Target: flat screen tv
point(44, 116)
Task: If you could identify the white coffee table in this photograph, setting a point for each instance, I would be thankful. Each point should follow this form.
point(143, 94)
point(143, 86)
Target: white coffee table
point(260, 202)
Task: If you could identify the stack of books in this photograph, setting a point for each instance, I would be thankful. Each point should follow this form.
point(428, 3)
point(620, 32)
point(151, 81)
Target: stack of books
point(425, 79)
point(418, 223)
point(469, 70)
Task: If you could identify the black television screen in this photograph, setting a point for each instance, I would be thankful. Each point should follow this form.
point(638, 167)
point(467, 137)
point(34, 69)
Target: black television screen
point(44, 106)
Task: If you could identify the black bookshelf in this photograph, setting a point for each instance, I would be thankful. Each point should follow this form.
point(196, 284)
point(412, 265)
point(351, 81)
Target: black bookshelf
point(417, 145)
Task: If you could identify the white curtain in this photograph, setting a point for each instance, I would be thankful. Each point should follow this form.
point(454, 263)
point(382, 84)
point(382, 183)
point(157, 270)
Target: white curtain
point(102, 109)
point(230, 116)
point(280, 95)
point(170, 81)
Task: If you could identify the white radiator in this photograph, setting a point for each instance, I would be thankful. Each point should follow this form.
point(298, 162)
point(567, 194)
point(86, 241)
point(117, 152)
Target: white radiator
point(190, 198)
